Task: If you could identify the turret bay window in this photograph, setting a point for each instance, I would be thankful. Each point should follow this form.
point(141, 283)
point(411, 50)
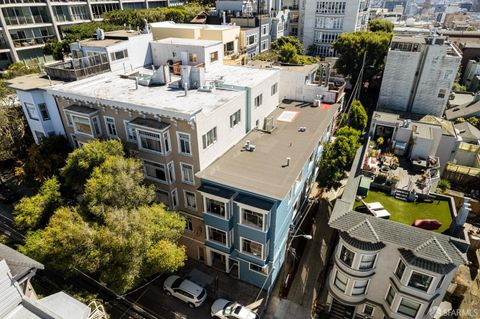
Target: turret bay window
point(347, 256)
point(390, 295)
point(215, 207)
point(341, 281)
point(367, 262)
point(252, 248)
point(400, 270)
point(359, 287)
point(253, 219)
point(408, 308)
point(150, 141)
point(420, 281)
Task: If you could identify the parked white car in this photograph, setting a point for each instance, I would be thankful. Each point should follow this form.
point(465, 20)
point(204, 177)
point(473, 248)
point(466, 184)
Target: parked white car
point(225, 309)
point(185, 290)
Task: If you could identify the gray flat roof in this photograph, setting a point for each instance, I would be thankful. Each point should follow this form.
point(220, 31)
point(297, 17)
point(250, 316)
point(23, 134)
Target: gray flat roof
point(465, 110)
point(263, 171)
point(111, 89)
point(31, 82)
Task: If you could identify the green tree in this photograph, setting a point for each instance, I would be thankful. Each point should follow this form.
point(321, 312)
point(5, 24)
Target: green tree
point(288, 54)
point(380, 25)
point(358, 117)
point(81, 162)
point(459, 120)
point(351, 48)
point(117, 183)
point(457, 87)
point(15, 136)
point(45, 159)
point(19, 69)
point(32, 212)
point(282, 41)
point(87, 30)
point(473, 120)
point(57, 49)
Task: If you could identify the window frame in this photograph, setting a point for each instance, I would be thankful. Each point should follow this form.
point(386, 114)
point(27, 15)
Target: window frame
point(184, 180)
point(258, 100)
point(255, 211)
point(274, 89)
point(107, 126)
point(422, 274)
point(113, 55)
point(412, 301)
point(264, 270)
point(130, 132)
point(186, 201)
point(174, 197)
point(45, 108)
point(235, 118)
point(365, 288)
point(205, 143)
point(403, 270)
point(89, 123)
point(31, 111)
point(350, 251)
point(394, 295)
point(226, 214)
point(373, 263)
point(365, 307)
point(179, 142)
point(227, 236)
point(158, 165)
point(262, 254)
point(171, 172)
point(343, 290)
point(162, 137)
point(188, 224)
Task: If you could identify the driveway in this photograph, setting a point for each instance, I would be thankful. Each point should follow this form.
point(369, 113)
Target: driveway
point(152, 298)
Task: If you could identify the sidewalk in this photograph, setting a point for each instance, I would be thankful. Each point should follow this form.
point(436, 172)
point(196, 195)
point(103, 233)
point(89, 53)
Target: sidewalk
point(305, 286)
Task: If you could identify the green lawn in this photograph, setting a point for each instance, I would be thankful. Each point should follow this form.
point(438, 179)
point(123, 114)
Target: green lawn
point(407, 212)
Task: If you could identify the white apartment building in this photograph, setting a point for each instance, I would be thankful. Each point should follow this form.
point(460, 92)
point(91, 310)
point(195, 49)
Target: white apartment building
point(28, 24)
point(321, 22)
point(419, 74)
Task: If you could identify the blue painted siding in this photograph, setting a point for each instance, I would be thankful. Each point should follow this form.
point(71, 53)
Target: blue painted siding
point(218, 222)
point(218, 247)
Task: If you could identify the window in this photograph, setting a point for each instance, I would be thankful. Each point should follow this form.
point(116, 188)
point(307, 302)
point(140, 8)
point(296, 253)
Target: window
point(400, 270)
point(331, 7)
point(130, 132)
point(264, 45)
point(252, 218)
point(441, 93)
point(440, 282)
point(171, 172)
point(155, 171)
point(40, 135)
point(149, 141)
point(75, 141)
point(43, 111)
point(347, 256)
point(96, 126)
point(251, 39)
point(420, 281)
point(188, 224)
point(259, 269)
point(215, 207)
point(390, 295)
point(69, 118)
point(329, 23)
point(81, 125)
point(166, 141)
point(235, 119)
point(359, 287)
point(252, 248)
point(368, 310)
point(190, 200)
point(367, 262)
point(209, 138)
point(214, 56)
point(187, 173)
point(265, 28)
point(110, 126)
point(341, 281)
point(259, 100)
point(32, 111)
point(217, 235)
point(119, 55)
point(184, 146)
point(408, 308)
point(274, 89)
point(174, 199)
point(229, 47)
point(192, 58)
point(162, 197)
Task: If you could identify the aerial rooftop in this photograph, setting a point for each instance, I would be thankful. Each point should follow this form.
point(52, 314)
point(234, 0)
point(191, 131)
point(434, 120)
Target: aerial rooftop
point(185, 41)
point(31, 82)
point(111, 89)
point(264, 171)
point(171, 24)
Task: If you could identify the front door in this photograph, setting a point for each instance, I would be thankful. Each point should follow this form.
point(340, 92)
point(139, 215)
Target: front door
point(234, 270)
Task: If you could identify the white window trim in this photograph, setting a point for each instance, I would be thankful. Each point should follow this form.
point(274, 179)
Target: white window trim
point(227, 236)
point(265, 213)
point(90, 123)
point(98, 123)
point(126, 123)
point(405, 270)
point(68, 118)
point(374, 262)
point(172, 179)
point(214, 142)
point(153, 178)
point(366, 287)
point(185, 199)
point(257, 272)
point(105, 118)
point(226, 202)
point(239, 121)
point(249, 254)
point(36, 111)
point(189, 143)
point(266, 47)
point(183, 177)
point(412, 300)
point(394, 296)
point(139, 142)
point(74, 139)
point(410, 273)
point(174, 194)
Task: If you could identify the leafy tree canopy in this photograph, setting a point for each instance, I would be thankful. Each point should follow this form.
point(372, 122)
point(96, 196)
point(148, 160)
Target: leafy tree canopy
point(286, 50)
point(15, 136)
point(351, 48)
point(81, 162)
point(358, 117)
point(282, 41)
point(380, 25)
point(31, 212)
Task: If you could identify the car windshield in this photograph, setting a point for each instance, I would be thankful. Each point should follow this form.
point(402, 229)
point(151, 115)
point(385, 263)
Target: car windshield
point(229, 308)
point(177, 283)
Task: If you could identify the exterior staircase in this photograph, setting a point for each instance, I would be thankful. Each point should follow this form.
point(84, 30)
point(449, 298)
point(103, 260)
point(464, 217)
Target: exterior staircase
point(341, 311)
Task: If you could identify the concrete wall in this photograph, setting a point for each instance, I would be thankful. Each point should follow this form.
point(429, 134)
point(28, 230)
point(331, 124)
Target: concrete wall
point(175, 32)
point(226, 35)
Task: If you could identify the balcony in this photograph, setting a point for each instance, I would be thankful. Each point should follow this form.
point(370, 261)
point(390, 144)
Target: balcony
point(28, 42)
point(23, 20)
point(80, 68)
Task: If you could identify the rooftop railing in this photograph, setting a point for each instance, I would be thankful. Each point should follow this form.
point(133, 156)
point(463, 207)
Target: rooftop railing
point(79, 68)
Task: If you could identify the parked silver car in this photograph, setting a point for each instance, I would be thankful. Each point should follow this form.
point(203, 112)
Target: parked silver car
point(225, 309)
point(185, 290)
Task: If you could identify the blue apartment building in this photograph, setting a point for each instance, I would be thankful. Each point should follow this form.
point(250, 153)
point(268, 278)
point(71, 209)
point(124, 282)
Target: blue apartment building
point(254, 195)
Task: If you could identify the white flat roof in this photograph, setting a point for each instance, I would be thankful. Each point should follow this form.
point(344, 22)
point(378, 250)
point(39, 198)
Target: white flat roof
point(110, 89)
point(184, 41)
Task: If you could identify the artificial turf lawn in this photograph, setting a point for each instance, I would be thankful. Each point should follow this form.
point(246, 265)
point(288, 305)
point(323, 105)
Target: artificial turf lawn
point(407, 212)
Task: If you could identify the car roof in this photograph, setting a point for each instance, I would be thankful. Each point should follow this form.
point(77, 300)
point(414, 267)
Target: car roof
point(191, 287)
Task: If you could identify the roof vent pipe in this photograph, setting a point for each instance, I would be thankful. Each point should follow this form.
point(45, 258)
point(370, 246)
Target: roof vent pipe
point(185, 87)
point(288, 161)
point(136, 83)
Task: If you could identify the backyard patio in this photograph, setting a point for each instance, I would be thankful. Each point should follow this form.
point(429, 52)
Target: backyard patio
point(407, 212)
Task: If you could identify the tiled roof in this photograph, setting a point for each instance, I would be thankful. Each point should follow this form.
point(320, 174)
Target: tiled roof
point(18, 263)
point(423, 243)
point(361, 245)
point(426, 264)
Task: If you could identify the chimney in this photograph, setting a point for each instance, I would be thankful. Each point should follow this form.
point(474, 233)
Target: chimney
point(462, 214)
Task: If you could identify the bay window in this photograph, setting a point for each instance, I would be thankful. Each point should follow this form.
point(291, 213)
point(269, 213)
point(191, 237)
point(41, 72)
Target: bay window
point(251, 247)
point(420, 281)
point(359, 287)
point(215, 207)
point(149, 141)
point(408, 308)
point(367, 262)
point(184, 146)
point(253, 219)
point(187, 173)
point(347, 256)
point(217, 235)
point(341, 281)
point(190, 200)
point(81, 125)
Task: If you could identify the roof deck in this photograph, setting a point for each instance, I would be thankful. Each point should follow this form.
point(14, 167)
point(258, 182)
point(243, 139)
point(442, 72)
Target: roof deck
point(265, 170)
